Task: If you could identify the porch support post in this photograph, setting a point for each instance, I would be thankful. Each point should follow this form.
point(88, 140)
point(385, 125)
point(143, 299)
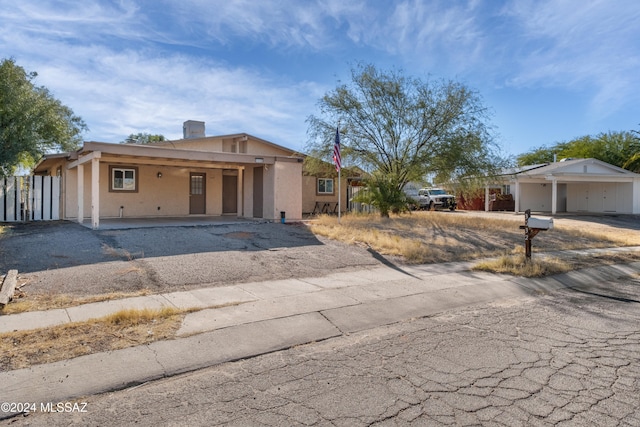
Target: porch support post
point(80, 171)
point(486, 198)
point(554, 196)
point(95, 192)
point(635, 196)
point(517, 198)
point(240, 184)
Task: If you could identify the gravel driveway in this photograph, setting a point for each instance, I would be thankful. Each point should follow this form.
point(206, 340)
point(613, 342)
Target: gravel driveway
point(64, 257)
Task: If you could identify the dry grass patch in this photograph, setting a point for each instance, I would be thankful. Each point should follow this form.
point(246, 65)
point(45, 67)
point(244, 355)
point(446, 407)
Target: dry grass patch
point(546, 266)
point(123, 329)
point(24, 302)
point(517, 265)
point(430, 237)
point(119, 253)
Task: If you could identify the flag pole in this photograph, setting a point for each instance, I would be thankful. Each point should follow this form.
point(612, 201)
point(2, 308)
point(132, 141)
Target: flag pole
point(338, 162)
point(339, 194)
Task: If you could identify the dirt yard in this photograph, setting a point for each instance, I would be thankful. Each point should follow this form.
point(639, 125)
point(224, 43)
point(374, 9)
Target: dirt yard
point(64, 264)
point(63, 258)
point(429, 237)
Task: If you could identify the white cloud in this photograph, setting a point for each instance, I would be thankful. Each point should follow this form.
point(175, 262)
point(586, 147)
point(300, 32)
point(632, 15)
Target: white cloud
point(141, 88)
point(126, 92)
point(145, 66)
point(580, 45)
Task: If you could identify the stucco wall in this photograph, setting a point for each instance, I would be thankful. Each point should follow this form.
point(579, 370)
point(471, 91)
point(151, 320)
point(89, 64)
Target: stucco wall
point(216, 145)
point(165, 196)
point(247, 193)
point(198, 144)
point(268, 188)
point(536, 197)
point(636, 196)
point(310, 195)
point(257, 147)
point(287, 190)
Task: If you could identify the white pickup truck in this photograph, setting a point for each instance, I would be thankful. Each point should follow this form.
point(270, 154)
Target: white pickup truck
point(436, 198)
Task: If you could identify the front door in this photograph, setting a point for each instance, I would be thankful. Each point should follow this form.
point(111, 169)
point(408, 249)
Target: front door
point(229, 194)
point(197, 192)
point(582, 202)
point(257, 192)
point(610, 202)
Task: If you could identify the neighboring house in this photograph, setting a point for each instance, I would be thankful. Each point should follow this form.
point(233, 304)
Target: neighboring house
point(571, 185)
point(320, 189)
point(238, 175)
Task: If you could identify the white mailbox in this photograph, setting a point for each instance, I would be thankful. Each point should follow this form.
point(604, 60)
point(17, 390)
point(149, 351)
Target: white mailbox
point(540, 223)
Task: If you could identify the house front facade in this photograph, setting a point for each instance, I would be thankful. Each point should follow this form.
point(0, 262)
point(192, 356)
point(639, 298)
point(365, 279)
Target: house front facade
point(238, 175)
point(572, 185)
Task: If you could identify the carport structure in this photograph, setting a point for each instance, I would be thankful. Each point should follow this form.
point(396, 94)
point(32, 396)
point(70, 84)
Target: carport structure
point(573, 185)
point(195, 176)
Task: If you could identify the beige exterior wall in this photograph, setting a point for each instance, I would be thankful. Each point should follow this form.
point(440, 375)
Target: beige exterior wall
point(202, 144)
point(258, 148)
point(165, 196)
point(247, 182)
point(221, 144)
point(288, 190)
point(268, 188)
point(310, 194)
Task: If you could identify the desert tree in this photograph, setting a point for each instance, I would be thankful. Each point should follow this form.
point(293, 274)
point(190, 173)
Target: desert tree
point(616, 148)
point(633, 161)
point(143, 138)
point(399, 128)
point(32, 120)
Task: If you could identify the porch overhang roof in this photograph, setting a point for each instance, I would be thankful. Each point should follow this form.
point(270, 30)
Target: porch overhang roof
point(562, 173)
point(143, 154)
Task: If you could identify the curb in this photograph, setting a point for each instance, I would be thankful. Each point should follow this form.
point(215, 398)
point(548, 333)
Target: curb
point(116, 370)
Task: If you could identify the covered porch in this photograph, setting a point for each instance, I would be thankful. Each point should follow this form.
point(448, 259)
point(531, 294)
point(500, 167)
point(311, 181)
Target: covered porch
point(181, 221)
point(107, 182)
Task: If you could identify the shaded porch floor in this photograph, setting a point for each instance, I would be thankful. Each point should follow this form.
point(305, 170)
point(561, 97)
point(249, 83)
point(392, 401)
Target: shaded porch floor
point(185, 221)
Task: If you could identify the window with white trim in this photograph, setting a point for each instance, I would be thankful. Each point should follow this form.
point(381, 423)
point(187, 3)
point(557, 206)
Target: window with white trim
point(123, 179)
point(325, 185)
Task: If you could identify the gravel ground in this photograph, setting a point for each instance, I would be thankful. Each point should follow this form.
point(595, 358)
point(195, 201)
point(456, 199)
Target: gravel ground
point(64, 257)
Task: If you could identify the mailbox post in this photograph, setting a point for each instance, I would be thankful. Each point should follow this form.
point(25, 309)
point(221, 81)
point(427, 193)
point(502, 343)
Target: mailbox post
point(532, 227)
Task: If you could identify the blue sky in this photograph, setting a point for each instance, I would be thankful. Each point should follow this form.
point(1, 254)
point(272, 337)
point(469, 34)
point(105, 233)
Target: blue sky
point(550, 70)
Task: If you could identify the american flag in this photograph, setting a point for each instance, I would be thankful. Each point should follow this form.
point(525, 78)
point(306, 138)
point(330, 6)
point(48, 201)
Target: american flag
point(336, 152)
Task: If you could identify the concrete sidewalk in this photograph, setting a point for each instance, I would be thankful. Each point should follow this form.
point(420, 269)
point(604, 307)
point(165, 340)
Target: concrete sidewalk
point(283, 296)
point(261, 317)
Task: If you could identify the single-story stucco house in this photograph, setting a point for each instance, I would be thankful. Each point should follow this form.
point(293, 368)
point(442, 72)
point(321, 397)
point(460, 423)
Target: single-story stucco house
point(239, 175)
point(571, 185)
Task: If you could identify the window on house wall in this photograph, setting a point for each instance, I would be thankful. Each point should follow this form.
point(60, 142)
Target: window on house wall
point(123, 179)
point(325, 185)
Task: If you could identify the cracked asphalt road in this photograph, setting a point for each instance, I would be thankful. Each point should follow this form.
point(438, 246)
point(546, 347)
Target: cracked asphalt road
point(567, 358)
